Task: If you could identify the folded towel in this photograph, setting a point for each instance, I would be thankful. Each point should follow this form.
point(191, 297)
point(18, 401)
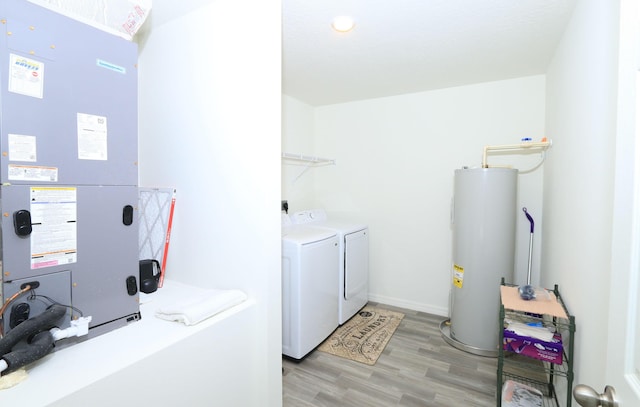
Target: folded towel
point(201, 306)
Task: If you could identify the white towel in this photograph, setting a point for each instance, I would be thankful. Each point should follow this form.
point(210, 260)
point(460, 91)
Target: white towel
point(201, 306)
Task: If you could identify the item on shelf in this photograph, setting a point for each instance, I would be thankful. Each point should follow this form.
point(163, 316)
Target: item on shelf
point(534, 330)
point(528, 292)
point(550, 351)
point(552, 307)
point(516, 394)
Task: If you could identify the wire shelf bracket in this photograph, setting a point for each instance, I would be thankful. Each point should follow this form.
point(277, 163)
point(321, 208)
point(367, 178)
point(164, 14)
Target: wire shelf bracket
point(306, 161)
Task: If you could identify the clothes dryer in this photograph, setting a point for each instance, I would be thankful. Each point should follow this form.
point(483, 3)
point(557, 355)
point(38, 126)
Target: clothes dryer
point(309, 295)
point(353, 268)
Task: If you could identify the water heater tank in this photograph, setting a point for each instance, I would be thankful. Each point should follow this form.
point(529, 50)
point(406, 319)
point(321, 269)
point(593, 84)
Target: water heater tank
point(484, 225)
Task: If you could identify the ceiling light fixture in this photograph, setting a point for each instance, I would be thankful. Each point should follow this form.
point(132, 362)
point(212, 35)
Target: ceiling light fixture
point(343, 24)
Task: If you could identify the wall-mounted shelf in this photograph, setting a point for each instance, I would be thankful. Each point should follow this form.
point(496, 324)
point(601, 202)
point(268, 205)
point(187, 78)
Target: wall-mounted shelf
point(307, 161)
point(312, 160)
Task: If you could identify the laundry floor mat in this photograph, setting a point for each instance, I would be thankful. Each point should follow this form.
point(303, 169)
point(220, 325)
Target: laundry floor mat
point(364, 336)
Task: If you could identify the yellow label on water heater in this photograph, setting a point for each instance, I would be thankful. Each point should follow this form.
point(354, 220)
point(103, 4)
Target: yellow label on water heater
point(458, 275)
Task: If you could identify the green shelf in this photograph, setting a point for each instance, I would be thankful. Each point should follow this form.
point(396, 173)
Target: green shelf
point(533, 372)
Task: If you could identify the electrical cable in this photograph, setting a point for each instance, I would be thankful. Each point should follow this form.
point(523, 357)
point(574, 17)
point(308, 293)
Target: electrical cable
point(33, 296)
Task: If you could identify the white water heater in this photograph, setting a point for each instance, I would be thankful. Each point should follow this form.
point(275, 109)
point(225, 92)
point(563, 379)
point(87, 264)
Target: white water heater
point(484, 234)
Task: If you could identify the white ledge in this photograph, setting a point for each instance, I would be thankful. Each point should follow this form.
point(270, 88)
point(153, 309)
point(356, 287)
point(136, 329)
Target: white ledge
point(68, 370)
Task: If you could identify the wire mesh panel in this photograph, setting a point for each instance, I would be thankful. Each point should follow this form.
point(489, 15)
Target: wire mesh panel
point(156, 213)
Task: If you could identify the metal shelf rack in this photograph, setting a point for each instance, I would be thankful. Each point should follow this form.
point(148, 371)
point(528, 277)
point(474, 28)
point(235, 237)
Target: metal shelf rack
point(532, 372)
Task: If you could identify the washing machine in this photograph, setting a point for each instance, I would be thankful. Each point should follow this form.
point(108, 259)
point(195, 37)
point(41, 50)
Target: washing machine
point(353, 268)
point(309, 296)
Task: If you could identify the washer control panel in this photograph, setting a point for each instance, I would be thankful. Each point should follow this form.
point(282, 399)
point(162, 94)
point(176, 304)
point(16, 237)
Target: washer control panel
point(309, 216)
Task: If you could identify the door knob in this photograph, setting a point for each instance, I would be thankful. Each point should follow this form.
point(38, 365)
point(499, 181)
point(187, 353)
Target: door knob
point(587, 397)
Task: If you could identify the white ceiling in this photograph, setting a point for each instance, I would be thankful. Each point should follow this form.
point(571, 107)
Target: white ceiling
point(406, 46)
point(164, 11)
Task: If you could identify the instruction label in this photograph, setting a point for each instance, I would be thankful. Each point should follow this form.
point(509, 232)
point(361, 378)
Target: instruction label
point(22, 148)
point(92, 137)
point(26, 76)
point(458, 275)
point(54, 236)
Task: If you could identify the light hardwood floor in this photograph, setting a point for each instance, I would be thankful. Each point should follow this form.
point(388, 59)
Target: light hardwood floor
point(417, 368)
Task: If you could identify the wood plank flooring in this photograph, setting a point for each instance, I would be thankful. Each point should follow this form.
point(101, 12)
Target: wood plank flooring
point(417, 368)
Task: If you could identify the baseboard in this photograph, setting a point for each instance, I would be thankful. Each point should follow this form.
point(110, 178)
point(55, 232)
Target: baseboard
point(412, 305)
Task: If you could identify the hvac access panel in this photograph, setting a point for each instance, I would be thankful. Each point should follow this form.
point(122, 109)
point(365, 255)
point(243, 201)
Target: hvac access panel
point(68, 100)
point(77, 231)
point(68, 168)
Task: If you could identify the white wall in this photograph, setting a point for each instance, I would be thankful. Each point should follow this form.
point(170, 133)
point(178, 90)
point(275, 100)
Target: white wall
point(579, 174)
point(297, 138)
point(395, 159)
point(210, 126)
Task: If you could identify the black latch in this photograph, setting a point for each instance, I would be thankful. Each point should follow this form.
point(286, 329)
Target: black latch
point(127, 215)
point(22, 222)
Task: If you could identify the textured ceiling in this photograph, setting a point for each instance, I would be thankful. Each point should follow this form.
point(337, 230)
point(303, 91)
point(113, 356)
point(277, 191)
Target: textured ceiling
point(406, 46)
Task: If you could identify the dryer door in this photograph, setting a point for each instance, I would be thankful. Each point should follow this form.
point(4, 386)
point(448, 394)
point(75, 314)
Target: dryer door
point(356, 263)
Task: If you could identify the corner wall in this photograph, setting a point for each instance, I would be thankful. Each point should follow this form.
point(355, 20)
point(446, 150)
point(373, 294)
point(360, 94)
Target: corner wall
point(579, 177)
point(210, 101)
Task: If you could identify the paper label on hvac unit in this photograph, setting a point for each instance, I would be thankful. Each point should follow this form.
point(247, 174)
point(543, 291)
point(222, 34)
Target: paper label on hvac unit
point(54, 236)
point(458, 275)
point(26, 76)
point(22, 148)
point(92, 137)
point(32, 173)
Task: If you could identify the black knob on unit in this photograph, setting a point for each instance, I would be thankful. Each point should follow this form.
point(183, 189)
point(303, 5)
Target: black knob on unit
point(22, 222)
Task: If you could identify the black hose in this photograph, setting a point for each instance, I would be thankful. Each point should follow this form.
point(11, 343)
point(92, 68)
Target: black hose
point(41, 322)
point(38, 347)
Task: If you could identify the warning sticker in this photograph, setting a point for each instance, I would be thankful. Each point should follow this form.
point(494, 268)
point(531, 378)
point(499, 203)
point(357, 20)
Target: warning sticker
point(54, 215)
point(32, 173)
point(26, 76)
point(458, 275)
